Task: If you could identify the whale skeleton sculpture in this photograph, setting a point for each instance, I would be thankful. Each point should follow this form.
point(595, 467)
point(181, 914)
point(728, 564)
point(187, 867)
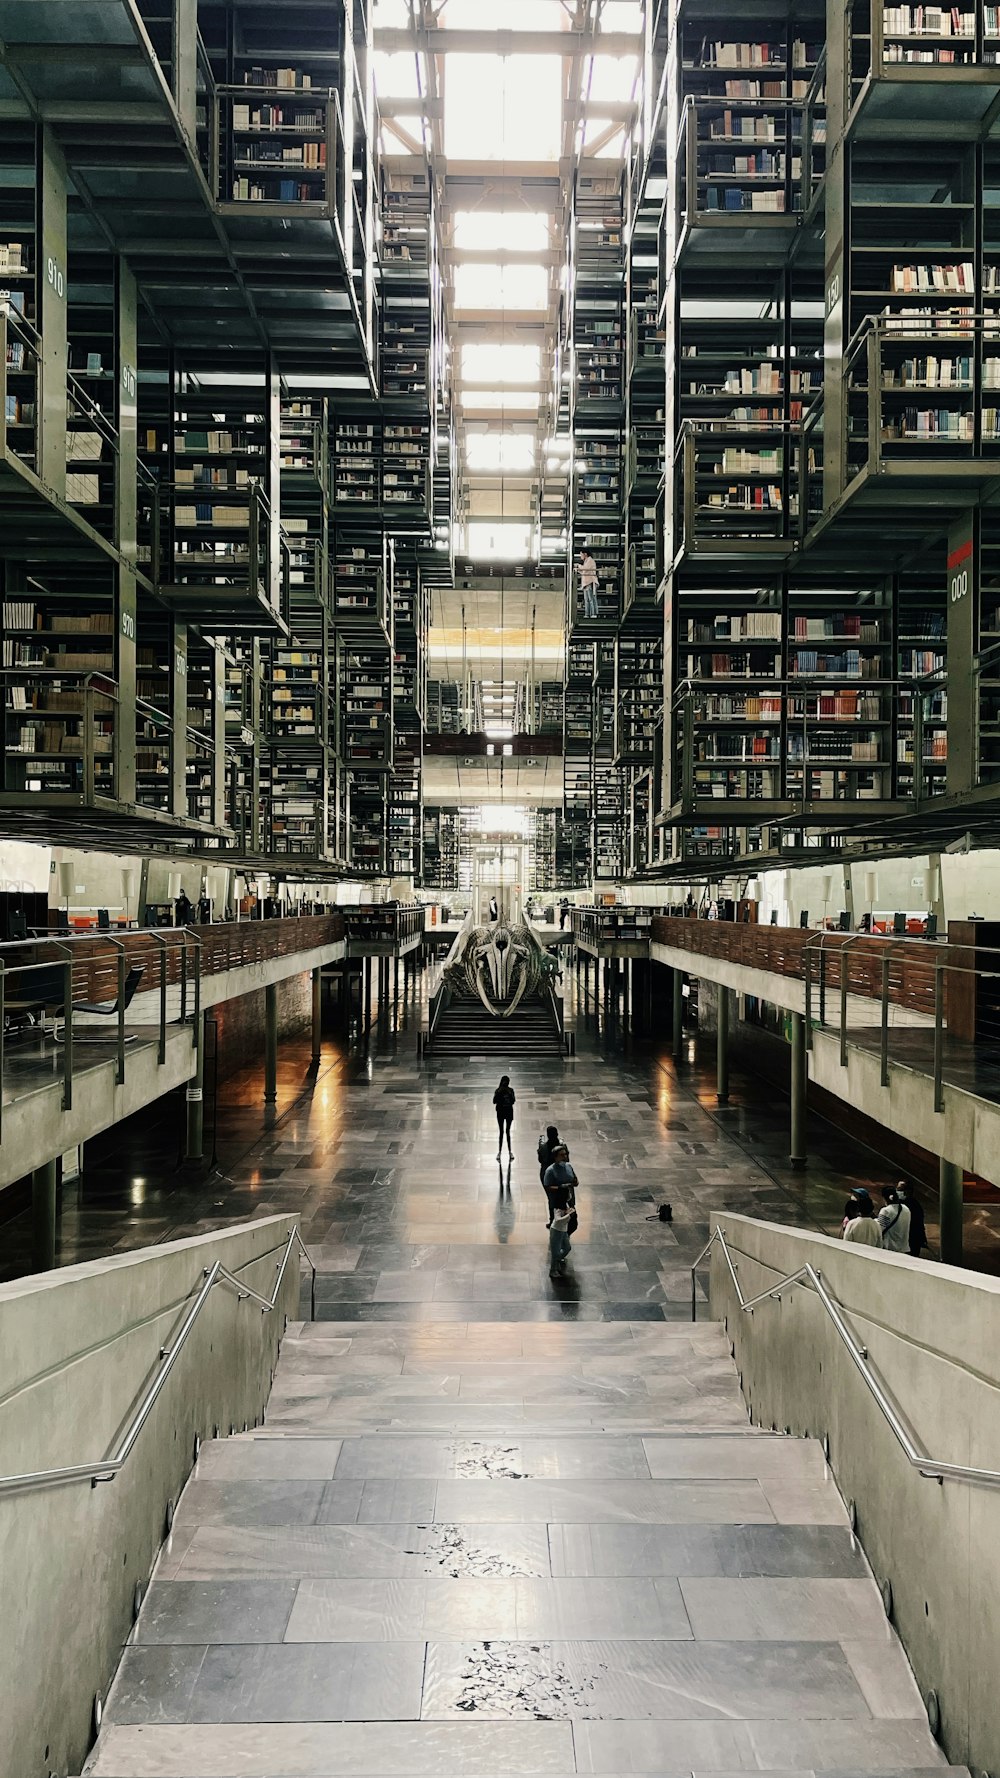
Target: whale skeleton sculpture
point(500, 963)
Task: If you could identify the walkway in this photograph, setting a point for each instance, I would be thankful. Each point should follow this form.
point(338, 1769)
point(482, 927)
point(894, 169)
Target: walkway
point(498, 1526)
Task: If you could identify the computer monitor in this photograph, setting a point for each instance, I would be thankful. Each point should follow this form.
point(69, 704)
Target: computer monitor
point(804, 917)
point(931, 926)
point(844, 921)
point(774, 916)
point(898, 924)
point(103, 920)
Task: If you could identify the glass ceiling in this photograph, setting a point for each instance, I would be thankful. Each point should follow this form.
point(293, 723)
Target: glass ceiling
point(503, 135)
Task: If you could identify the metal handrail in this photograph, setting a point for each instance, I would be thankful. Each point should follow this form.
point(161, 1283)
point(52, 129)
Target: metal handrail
point(934, 1468)
point(108, 1469)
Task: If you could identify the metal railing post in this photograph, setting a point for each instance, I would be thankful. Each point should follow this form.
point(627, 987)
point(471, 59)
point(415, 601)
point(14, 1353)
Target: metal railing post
point(938, 1036)
point(2, 1020)
point(121, 958)
point(843, 1006)
point(884, 1037)
point(184, 977)
point(68, 1034)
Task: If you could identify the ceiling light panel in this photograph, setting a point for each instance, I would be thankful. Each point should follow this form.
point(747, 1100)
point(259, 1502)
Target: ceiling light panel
point(514, 401)
point(501, 287)
point(501, 364)
point(500, 451)
point(505, 108)
point(501, 231)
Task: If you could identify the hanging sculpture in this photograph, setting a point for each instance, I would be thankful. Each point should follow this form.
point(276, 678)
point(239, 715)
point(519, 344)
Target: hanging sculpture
point(499, 963)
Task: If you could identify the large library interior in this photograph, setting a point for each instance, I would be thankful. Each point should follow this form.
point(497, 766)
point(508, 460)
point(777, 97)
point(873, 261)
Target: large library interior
point(500, 620)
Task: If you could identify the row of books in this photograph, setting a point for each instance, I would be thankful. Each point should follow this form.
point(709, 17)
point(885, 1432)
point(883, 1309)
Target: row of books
point(757, 55)
point(734, 198)
point(275, 117)
point(288, 191)
point(311, 155)
point(958, 277)
point(739, 707)
point(941, 423)
point(12, 259)
point(928, 21)
point(837, 623)
point(846, 663)
point(286, 78)
point(740, 627)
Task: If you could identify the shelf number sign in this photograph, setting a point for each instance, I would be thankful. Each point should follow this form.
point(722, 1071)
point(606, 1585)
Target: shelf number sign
point(959, 570)
point(55, 276)
point(128, 625)
point(128, 382)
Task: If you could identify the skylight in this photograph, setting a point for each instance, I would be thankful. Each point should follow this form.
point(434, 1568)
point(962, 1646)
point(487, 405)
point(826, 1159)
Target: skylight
point(500, 451)
point(498, 540)
point(501, 287)
point(610, 77)
point(501, 364)
point(501, 231)
point(396, 75)
point(502, 107)
point(523, 401)
point(518, 15)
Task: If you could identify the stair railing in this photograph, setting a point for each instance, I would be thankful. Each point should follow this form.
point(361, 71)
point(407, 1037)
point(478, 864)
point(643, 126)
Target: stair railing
point(934, 1468)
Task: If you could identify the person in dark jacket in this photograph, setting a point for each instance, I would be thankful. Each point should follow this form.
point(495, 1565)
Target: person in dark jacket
point(547, 1146)
point(503, 1100)
point(918, 1228)
point(560, 1189)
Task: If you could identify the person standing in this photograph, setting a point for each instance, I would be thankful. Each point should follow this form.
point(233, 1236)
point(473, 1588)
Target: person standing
point(589, 583)
point(547, 1146)
point(494, 910)
point(560, 1189)
point(563, 912)
point(503, 1100)
point(859, 1222)
point(917, 1239)
point(894, 1221)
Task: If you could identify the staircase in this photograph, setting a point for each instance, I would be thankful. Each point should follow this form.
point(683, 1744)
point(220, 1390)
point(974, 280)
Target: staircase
point(583, 1560)
point(465, 1028)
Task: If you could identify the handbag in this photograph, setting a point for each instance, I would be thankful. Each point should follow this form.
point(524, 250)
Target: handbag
point(573, 1223)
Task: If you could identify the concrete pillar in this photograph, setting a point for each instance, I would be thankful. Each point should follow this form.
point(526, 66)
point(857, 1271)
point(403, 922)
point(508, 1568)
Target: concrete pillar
point(677, 1046)
point(366, 997)
point(951, 1213)
point(271, 1045)
point(797, 1144)
point(395, 992)
point(43, 1217)
point(317, 1014)
point(194, 1098)
point(722, 1048)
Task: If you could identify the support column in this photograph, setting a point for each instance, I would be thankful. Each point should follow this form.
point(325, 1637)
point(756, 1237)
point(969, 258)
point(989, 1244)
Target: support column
point(677, 1046)
point(366, 995)
point(317, 1014)
point(722, 1048)
point(950, 1180)
point(43, 1217)
point(271, 1045)
point(797, 1144)
point(194, 1098)
point(395, 993)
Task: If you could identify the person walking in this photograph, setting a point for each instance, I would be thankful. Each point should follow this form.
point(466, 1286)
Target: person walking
point(859, 1222)
point(547, 1146)
point(917, 1239)
point(560, 1189)
point(589, 583)
point(894, 1221)
point(503, 1100)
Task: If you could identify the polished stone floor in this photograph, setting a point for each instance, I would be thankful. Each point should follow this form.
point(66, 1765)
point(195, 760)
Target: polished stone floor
point(495, 1525)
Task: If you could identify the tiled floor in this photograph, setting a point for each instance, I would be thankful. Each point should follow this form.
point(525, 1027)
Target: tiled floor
point(496, 1525)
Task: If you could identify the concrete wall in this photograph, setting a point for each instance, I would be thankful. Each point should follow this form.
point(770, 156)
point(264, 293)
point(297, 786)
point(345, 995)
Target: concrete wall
point(933, 1338)
point(77, 1349)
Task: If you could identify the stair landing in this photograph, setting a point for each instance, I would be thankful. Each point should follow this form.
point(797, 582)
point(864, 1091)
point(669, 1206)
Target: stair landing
point(505, 1549)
